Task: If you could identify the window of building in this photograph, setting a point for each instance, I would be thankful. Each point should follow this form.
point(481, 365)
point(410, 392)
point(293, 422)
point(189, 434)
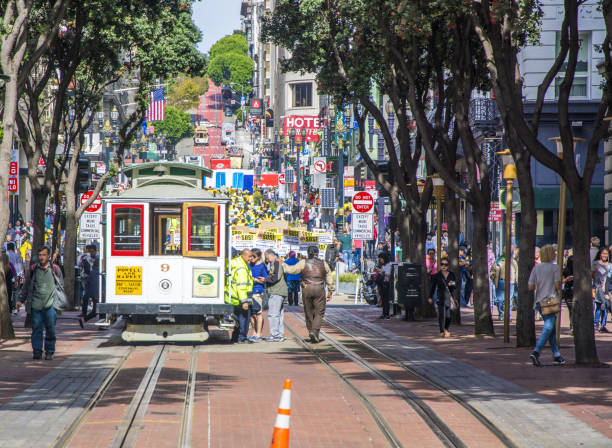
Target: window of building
point(302, 94)
point(581, 78)
point(127, 230)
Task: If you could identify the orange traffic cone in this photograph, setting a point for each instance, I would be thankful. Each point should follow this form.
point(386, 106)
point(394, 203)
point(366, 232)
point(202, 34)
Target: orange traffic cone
point(280, 436)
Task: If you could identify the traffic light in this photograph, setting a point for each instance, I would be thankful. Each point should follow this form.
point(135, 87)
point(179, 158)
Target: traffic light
point(83, 176)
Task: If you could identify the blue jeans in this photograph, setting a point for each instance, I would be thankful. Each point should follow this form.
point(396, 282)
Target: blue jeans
point(499, 297)
point(347, 258)
point(601, 314)
point(466, 287)
point(276, 315)
point(244, 316)
point(357, 258)
point(43, 319)
point(548, 333)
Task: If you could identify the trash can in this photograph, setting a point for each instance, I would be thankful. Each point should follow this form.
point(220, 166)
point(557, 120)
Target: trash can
point(408, 282)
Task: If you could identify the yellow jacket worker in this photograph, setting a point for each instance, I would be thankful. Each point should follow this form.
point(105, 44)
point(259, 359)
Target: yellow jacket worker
point(241, 286)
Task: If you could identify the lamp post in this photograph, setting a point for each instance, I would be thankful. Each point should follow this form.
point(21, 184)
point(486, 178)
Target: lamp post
point(299, 170)
point(561, 222)
point(438, 184)
point(509, 175)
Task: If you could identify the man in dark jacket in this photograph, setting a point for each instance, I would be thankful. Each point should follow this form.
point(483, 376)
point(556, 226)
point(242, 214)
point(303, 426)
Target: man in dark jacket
point(38, 293)
point(315, 274)
point(332, 254)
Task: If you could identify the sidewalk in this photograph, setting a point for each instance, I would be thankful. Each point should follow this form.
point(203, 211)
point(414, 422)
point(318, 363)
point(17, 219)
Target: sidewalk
point(585, 392)
point(19, 370)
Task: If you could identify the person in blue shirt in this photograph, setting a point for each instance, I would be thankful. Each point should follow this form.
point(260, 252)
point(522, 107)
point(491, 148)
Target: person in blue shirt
point(293, 280)
point(260, 273)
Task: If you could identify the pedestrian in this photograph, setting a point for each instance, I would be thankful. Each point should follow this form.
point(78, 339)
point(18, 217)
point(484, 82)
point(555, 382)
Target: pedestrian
point(568, 288)
point(10, 278)
point(295, 212)
point(443, 284)
point(601, 272)
point(38, 294)
point(501, 282)
point(594, 249)
point(332, 253)
point(545, 280)
point(382, 280)
point(315, 274)
point(259, 273)
point(277, 289)
point(239, 295)
point(90, 280)
point(293, 281)
point(306, 218)
point(345, 239)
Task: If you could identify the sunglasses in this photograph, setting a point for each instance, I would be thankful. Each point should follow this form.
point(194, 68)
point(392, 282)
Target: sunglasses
point(444, 264)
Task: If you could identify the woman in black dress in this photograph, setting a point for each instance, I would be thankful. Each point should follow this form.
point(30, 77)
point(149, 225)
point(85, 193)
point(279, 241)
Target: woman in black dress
point(444, 283)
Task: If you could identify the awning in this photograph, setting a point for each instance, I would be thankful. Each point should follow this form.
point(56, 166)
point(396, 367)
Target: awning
point(547, 198)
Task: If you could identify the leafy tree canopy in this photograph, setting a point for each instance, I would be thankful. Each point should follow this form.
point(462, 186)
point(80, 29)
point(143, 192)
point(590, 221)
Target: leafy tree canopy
point(231, 68)
point(236, 43)
point(177, 125)
point(184, 92)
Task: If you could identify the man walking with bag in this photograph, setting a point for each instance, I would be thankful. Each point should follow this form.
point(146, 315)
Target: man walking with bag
point(276, 287)
point(39, 292)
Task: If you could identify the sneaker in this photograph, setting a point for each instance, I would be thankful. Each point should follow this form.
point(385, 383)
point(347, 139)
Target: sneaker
point(279, 339)
point(387, 317)
point(596, 327)
point(270, 339)
point(603, 330)
point(81, 323)
point(37, 356)
point(255, 339)
point(559, 361)
point(535, 358)
point(49, 356)
point(314, 338)
point(382, 316)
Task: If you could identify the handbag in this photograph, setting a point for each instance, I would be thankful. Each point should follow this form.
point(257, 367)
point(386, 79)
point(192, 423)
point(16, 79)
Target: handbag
point(550, 305)
point(60, 301)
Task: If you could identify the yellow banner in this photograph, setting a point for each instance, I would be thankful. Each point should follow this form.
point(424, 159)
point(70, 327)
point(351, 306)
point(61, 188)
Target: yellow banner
point(128, 280)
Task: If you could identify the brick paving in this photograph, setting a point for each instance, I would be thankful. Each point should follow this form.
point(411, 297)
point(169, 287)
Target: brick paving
point(530, 419)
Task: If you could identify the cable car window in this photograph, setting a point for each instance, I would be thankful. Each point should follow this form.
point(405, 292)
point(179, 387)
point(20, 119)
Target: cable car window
point(201, 230)
point(127, 230)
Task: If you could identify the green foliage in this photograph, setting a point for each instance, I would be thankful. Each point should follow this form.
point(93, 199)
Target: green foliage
point(177, 125)
point(348, 277)
point(184, 93)
point(236, 43)
point(239, 114)
point(231, 68)
point(257, 197)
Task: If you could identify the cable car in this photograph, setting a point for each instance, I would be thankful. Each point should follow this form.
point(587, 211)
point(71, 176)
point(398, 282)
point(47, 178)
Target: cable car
point(166, 252)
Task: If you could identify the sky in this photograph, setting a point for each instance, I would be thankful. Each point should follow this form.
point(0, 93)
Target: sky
point(215, 18)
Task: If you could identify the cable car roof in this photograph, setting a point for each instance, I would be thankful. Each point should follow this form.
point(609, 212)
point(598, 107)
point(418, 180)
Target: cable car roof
point(166, 173)
point(168, 193)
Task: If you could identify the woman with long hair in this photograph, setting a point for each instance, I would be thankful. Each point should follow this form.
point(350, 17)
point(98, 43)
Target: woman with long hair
point(443, 286)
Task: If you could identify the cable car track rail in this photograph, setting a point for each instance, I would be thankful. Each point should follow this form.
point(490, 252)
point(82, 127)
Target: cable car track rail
point(497, 432)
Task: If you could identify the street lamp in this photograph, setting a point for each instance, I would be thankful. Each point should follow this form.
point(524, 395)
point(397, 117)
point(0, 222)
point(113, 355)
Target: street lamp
point(303, 133)
point(509, 175)
point(276, 150)
point(561, 221)
point(438, 184)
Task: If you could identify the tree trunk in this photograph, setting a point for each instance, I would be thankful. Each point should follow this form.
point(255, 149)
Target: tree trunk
point(70, 243)
point(525, 320)
point(417, 243)
point(584, 336)
point(38, 218)
point(483, 324)
point(452, 222)
point(6, 324)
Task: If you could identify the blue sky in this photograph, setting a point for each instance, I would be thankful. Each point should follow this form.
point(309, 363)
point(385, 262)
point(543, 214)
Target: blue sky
point(216, 18)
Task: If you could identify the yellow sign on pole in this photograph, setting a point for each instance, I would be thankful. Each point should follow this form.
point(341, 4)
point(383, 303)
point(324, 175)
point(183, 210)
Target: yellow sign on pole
point(128, 280)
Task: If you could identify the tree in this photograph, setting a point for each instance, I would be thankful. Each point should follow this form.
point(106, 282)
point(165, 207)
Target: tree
point(504, 27)
point(176, 125)
point(184, 93)
point(231, 68)
point(28, 29)
point(236, 43)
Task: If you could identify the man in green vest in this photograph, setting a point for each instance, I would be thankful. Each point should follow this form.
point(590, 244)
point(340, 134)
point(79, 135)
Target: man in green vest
point(241, 285)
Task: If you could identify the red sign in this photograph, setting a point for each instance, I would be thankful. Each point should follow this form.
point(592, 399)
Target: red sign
point(320, 166)
point(95, 205)
point(14, 169)
point(220, 164)
point(281, 179)
point(311, 123)
point(269, 180)
point(363, 202)
point(13, 185)
point(41, 162)
point(495, 213)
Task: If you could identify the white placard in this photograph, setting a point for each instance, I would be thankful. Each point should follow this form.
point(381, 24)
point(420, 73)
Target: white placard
point(89, 226)
point(362, 226)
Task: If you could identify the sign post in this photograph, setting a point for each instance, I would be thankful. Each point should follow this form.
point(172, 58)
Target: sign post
point(363, 218)
point(89, 225)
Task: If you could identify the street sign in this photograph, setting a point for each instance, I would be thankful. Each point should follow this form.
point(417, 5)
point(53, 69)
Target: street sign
point(363, 202)
point(256, 107)
point(362, 226)
point(13, 181)
point(281, 178)
point(290, 176)
point(89, 226)
point(95, 206)
point(328, 198)
point(495, 212)
point(320, 165)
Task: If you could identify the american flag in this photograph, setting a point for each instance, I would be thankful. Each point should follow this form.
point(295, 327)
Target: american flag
point(157, 107)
